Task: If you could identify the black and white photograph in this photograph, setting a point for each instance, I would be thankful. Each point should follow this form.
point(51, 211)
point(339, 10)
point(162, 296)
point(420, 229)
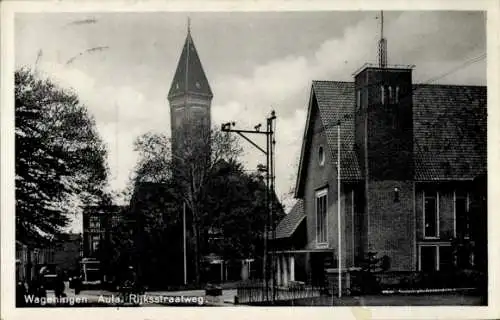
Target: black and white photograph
point(238, 158)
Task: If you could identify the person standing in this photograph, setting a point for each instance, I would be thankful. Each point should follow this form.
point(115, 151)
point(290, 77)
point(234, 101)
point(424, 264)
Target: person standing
point(59, 285)
point(78, 283)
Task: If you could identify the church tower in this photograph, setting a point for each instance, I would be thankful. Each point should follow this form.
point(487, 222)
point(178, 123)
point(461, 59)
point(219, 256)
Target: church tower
point(384, 143)
point(190, 98)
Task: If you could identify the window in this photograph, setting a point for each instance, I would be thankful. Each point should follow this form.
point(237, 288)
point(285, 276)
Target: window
point(434, 258)
point(428, 258)
point(95, 243)
point(94, 224)
point(358, 98)
point(431, 215)
point(382, 94)
point(321, 156)
point(462, 221)
point(321, 216)
point(445, 258)
point(464, 256)
point(390, 94)
point(396, 97)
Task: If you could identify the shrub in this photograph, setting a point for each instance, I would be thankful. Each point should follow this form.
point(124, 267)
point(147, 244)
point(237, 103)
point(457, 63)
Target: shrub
point(366, 280)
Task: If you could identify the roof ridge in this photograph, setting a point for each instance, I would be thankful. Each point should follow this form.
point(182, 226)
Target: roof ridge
point(449, 85)
point(332, 81)
point(415, 84)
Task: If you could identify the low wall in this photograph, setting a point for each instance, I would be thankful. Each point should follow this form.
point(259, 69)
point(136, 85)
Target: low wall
point(357, 282)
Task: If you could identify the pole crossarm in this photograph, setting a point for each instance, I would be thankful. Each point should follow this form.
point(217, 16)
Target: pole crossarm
point(246, 131)
point(253, 143)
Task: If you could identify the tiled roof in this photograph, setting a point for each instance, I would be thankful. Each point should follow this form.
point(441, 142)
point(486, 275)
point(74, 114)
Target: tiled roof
point(291, 221)
point(189, 76)
point(449, 129)
point(335, 102)
point(449, 126)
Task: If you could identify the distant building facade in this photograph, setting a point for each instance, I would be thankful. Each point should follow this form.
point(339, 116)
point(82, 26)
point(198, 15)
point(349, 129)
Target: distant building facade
point(409, 156)
point(30, 259)
point(60, 256)
point(98, 223)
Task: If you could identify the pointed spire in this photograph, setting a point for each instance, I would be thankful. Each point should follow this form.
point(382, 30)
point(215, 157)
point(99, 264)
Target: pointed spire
point(189, 76)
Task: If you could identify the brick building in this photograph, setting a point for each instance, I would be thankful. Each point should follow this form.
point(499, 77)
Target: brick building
point(97, 226)
point(409, 154)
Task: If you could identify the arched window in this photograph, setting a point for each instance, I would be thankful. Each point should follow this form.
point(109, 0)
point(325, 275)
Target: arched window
point(321, 156)
point(390, 94)
point(397, 94)
point(382, 94)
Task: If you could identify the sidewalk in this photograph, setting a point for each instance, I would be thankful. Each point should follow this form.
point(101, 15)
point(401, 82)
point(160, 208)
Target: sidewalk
point(445, 299)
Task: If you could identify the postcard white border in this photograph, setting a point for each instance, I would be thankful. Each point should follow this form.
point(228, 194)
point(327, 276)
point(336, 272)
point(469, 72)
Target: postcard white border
point(8, 8)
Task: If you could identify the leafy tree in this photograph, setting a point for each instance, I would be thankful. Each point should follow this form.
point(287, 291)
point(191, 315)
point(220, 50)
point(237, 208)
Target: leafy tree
point(59, 157)
point(236, 206)
point(216, 190)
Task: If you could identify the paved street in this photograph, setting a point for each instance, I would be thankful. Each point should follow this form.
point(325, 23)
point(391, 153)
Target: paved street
point(445, 299)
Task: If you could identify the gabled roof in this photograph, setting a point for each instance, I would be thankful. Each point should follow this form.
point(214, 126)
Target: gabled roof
point(334, 101)
point(449, 126)
point(291, 221)
point(189, 76)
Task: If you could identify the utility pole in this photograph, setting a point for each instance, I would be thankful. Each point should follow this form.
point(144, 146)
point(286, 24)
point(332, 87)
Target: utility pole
point(270, 194)
point(272, 143)
point(184, 240)
point(339, 227)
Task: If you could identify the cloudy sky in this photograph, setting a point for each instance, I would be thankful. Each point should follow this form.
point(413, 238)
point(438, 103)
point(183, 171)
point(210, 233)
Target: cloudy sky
point(255, 62)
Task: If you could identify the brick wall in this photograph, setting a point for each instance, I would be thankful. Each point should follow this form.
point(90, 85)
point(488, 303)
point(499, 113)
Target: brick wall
point(392, 224)
point(318, 177)
point(384, 131)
